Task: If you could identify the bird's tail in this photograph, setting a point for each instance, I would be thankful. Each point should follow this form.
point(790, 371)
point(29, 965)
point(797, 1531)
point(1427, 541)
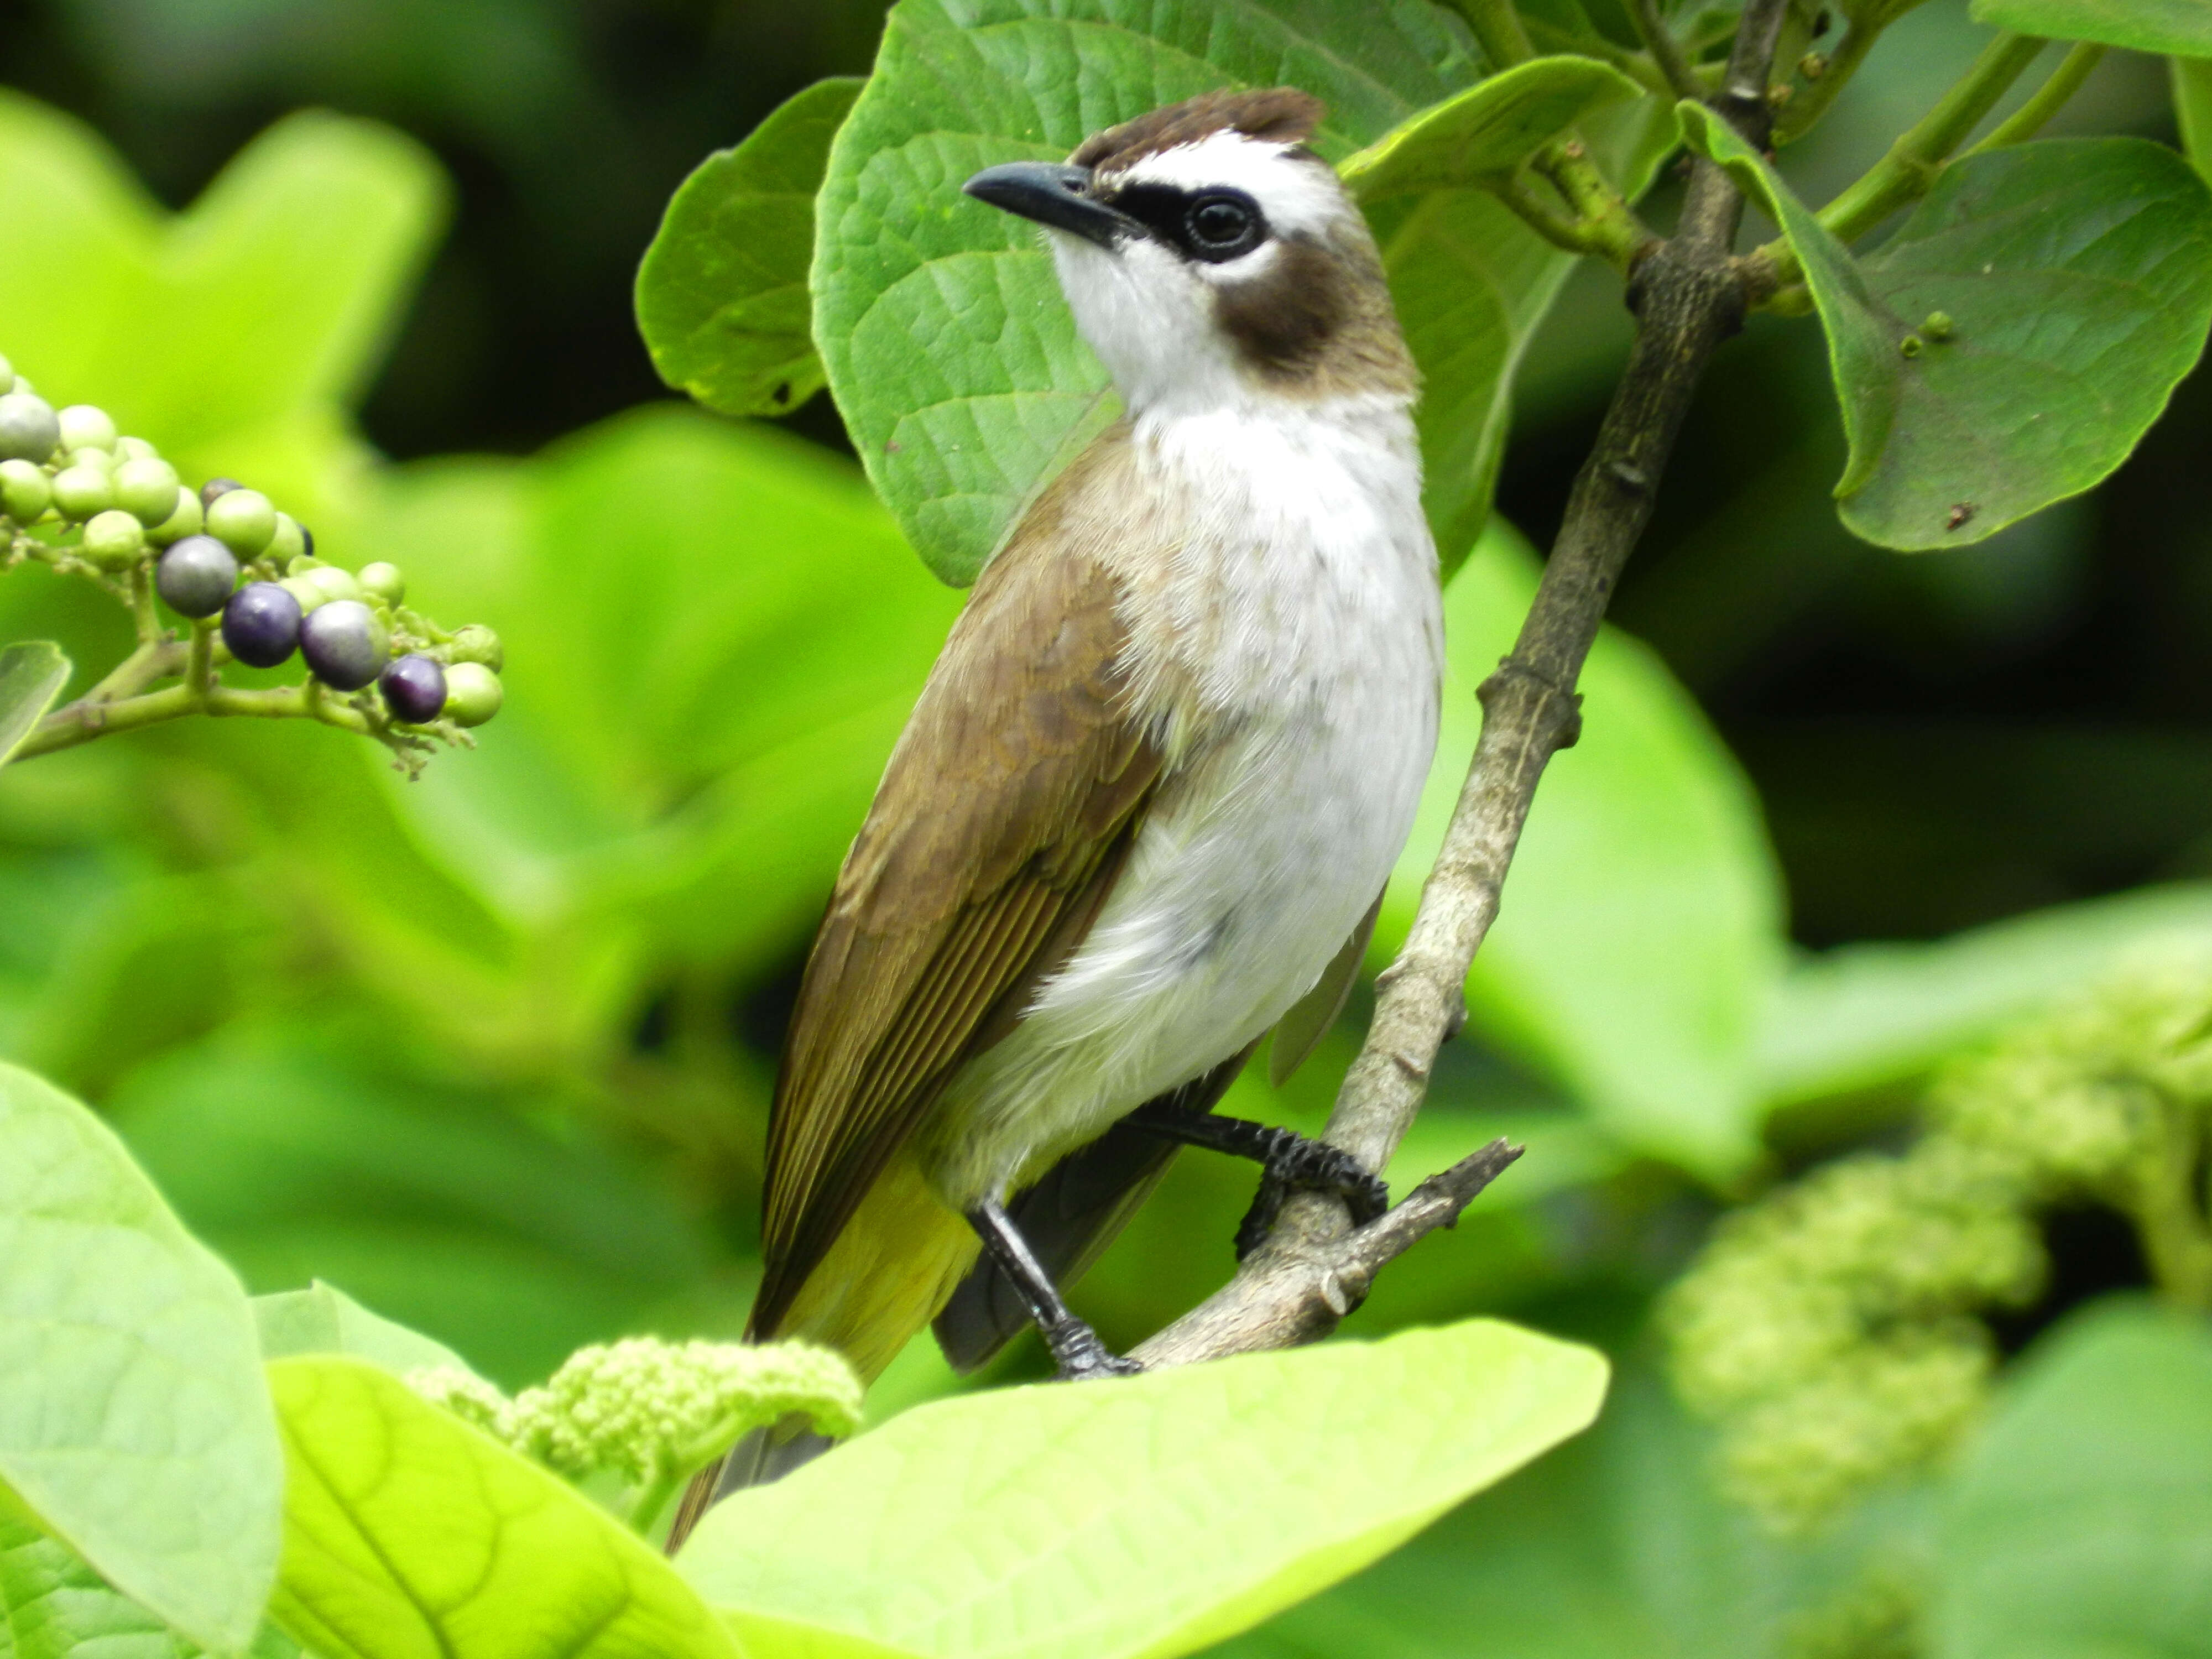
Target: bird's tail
point(763, 1456)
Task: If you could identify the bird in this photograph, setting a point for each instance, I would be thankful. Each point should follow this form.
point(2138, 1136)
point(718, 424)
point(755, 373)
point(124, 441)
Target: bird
point(1151, 793)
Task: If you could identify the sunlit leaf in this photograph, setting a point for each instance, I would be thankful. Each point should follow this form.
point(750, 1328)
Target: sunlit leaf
point(950, 351)
point(134, 1421)
point(32, 675)
point(323, 1318)
point(407, 1532)
point(1491, 128)
point(2082, 1523)
point(721, 296)
point(2023, 328)
point(2177, 25)
point(1150, 1517)
point(1639, 935)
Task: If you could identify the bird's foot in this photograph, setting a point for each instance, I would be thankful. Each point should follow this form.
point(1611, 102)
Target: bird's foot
point(1292, 1162)
point(1079, 1356)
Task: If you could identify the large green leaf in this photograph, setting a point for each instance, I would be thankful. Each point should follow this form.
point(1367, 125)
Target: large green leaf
point(721, 295)
point(32, 675)
point(2080, 1526)
point(2177, 25)
point(407, 1532)
point(2076, 276)
point(54, 1606)
point(134, 1421)
point(1491, 128)
point(454, 1211)
point(1640, 934)
point(1150, 1517)
point(323, 1318)
point(949, 349)
point(2192, 110)
point(234, 334)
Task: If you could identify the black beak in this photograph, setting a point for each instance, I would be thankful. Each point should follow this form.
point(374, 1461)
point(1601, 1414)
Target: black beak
point(1052, 195)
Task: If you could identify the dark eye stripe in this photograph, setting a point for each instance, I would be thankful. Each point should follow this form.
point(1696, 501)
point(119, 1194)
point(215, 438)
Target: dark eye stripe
point(1188, 220)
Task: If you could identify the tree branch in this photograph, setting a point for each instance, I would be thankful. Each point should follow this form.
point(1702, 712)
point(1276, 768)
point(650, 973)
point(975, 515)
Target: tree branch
point(1687, 294)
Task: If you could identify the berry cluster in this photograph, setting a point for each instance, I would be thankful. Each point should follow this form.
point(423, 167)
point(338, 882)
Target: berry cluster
point(76, 494)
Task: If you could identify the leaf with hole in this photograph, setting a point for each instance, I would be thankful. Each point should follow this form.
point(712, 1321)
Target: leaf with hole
point(2008, 345)
point(407, 1532)
point(1153, 1516)
point(721, 295)
point(32, 675)
point(1490, 129)
point(2175, 26)
point(135, 1423)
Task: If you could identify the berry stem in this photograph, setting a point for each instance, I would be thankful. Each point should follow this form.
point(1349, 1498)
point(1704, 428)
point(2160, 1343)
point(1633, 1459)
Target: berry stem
point(142, 604)
point(199, 666)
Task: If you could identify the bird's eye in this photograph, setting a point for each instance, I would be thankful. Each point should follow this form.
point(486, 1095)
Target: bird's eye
point(1222, 227)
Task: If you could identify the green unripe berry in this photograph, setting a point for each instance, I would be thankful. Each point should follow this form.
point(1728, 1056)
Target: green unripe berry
point(29, 431)
point(148, 489)
point(26, 491)
point(185, 521)
point(100, 460)
point(333, 583)
point(113, 540)
point(473, 693)
point(134, 449)
point(300, 588)
point(477, 643)
point(87, 426)
point(7, 374)
point(242, 520)
point(288, 545)
point(383, 581)
point(81, 491)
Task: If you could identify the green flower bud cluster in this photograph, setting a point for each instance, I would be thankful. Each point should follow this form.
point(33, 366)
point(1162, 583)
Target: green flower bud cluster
point(77, 495)
point(1832, 1329)
point(653, 1411)
point(1881, 1616)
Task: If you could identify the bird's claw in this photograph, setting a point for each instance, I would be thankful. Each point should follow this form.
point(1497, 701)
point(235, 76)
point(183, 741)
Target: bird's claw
point(1297, 1162)
point(1079, 1356)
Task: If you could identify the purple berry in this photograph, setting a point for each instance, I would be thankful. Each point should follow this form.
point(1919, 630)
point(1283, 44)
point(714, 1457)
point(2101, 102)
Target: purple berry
point(214, 487)
point(195, 577)
point(344, 644)
point(261, 624)
point(413, 689)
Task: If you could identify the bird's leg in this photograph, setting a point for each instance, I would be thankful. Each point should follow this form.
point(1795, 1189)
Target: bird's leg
point(1075, 1349)
point(1287, 1159)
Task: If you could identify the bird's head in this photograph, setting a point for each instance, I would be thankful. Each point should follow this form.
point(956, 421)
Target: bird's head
point(1210, 257)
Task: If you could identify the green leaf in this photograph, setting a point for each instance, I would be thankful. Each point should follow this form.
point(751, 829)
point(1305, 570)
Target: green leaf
point(323, 1318)
point(2192, 110)
point(407, 1532)
point(32, 675)
point(133, 1423)
point(1863, 1016)
point(454, 1211)
point(949, 349)
point(54, 1606)
point(2076, 276)
point(1640, 934)
point(2080, 1526)
point(303, 247)
point(1491, 128)
point(2176, 26)
point(1150, 1517)
point(721, 296)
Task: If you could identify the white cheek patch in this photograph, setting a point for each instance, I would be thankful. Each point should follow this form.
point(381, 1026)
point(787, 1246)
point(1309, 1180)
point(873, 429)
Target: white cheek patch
point(1244, 267)
point(1296, 194)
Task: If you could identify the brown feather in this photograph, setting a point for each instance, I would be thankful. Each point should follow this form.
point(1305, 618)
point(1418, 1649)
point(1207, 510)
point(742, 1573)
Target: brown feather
point(1281, 115)
point(993, 840)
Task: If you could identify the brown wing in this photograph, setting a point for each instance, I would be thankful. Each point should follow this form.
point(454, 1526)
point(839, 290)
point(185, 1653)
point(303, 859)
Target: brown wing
point(993, 839)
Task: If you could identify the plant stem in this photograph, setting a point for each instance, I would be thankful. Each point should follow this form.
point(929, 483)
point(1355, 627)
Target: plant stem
point(1688, 295)
point(1498, 31)
point(1540, 216)
point(142, 604)
point(85, 720)
point(2047, 100)
point(2177, 1235)
point(1666, 51)
point(1914, 161)
point(654, 1499)
point(1604, 223)
point(1802, 112)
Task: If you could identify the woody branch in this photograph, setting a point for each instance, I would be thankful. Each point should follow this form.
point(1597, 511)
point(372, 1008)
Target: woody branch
point(1688, 294)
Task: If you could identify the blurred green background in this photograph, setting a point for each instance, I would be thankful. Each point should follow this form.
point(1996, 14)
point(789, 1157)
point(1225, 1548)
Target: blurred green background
point(491, 1050)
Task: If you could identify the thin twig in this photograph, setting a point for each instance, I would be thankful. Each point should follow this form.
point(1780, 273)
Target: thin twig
point(2047, 100)
point(1666, 51)
point(1687, 295)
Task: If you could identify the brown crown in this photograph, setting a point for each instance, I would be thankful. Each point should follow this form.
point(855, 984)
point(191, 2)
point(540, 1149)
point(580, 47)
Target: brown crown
point(1281, 115)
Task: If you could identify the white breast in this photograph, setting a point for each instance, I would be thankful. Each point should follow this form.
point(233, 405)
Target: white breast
point(1291, 654)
